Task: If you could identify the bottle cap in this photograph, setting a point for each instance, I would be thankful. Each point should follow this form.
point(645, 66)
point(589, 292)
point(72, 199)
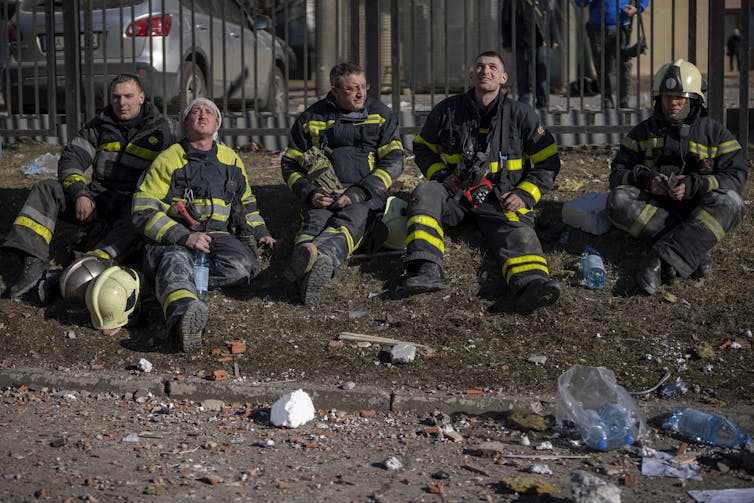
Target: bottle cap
point(602, 445)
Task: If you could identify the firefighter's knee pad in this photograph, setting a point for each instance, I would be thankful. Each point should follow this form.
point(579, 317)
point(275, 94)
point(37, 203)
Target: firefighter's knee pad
point(429, 190)
point(619, 203)
point(727, 203)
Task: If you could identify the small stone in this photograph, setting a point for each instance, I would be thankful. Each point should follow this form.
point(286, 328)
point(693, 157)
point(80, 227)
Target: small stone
point(537, 359)
point(525, 441)
point(131, 438)
point(269, 443)
point(212, 405)
point(403, 353)
point(41, 493)
point(367, 413)
point(348, 386)
point(335, 345)
point(211, 480)
point(70, 334)
point(363, 344)
point(58, 442)
point(490, 449)
point(144, 365)
point(392, 464)
point(540, 469)
point(723, 467)
point(453, 436)
point(441, 475)
point(588, 488)
point(544, 446)
point(141, 395)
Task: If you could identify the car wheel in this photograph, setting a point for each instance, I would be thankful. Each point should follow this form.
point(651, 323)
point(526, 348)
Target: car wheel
point(193, 85)
point(276, 93)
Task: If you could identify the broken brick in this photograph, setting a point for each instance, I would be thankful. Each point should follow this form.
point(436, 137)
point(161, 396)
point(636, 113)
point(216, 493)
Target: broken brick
point(219, 375)
point(237, 347)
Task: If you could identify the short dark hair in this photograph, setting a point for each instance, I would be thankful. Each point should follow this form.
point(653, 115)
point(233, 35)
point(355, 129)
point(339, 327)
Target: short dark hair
point(341, 70)
point(490, 54)
point(125, 77)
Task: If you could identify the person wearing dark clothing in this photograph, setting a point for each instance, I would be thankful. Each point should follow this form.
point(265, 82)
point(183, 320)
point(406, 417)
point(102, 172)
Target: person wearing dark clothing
point(676, 180)
point(361, 153)
point(487, 159)
point(531, 27)
point(733, 48)
point(196, 197)
point(617, 35)
point(119, 144)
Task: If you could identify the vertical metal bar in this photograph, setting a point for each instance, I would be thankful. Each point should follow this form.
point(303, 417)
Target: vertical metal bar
point(353, 53)
point(745, 90)
point(35, 69)
point(412, 30)
point(88, 59)
point(52, 68)
point(103, 47)
point(432, 51)
point(716, 65)
point(692, 31)
point(224, 26)
point(651, 49)
point(395, 58)
point(672, 31)
point(72, 58)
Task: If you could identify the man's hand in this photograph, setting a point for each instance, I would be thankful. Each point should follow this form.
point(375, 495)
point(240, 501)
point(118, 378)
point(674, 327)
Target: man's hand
point(268, 241)
point(322, 199)
point(341, 200)
point(511, 202)
point(630, 10)
point(84, 209)
point(452, 184)
point(663, 186)
point(198, 241)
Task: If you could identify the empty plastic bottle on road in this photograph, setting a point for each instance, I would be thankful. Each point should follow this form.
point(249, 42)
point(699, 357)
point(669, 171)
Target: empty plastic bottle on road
point(705, 428)
point(593, 269)
point(606, 429)
point(201, 273)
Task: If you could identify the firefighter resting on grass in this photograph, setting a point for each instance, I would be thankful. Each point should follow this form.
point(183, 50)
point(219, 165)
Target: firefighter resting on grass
point(487, 159)
point(344, 153)
point(119, 144)
point(196, 196)
point(676, 181)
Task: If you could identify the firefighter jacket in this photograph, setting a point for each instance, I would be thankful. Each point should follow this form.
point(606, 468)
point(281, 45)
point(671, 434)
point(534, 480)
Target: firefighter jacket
point(119, 151)
point(457, 125)
point(212, 184)
point(364, 148)
point(700, 149)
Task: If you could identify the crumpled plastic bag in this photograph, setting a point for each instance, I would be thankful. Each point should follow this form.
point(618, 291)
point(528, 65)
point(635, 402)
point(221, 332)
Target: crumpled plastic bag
point(45, 164)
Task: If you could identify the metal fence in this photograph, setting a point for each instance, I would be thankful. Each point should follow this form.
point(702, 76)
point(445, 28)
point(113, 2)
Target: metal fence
point(263, 62)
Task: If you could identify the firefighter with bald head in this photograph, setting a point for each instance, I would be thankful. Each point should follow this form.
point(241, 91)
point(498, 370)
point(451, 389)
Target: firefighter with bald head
point(676, 180)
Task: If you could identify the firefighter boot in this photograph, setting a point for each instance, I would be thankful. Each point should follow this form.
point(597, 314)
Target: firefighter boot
point(34, 269)
point(319, 275)
point(192, 325)
point(538, 293)
point(649, 275)
point(302, 260)
point(423, 276)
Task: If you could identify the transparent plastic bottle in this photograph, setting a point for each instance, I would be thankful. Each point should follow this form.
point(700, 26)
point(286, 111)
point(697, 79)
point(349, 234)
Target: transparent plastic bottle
point(201, 273)
point(593, 269)
point(705, 428)
point(606, 429)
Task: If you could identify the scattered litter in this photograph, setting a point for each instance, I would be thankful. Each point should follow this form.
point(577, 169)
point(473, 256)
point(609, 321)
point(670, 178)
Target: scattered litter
point(392, 464)
point(403, 353)
point(677, 387)
point(735, 345)
point(349, 336)
point(527, 485)
point(540, 469)
point(269, 443)
point(723, 495)
point(704, 351)
point(669, 297)
point(348, 386)
point(545, 446)
point(656, 386)
point(358, 313)
point(45, 164)
point(537, 359)
point(586, 487)
point(547, 457)
point(588, 213)
point(131, 438)
point(141, 395)
point(144, 365)
point(660, 464)
point(685, 303)
point(525, 441)
point(292, 410)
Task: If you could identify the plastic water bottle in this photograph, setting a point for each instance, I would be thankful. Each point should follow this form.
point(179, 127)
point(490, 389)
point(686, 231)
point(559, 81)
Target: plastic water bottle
point(593, 269)
point(705, 428)
point(606, 429)
point(201, 273)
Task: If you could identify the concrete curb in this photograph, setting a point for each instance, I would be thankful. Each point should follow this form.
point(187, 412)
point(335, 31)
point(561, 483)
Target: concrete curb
point(324, 397)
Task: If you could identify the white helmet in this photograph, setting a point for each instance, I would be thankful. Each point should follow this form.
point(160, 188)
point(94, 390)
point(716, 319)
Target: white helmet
point(113, 297)
point(395, 220)
point(75, 278)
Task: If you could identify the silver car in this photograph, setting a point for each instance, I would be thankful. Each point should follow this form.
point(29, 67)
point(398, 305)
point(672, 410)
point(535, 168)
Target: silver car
point(218, 50)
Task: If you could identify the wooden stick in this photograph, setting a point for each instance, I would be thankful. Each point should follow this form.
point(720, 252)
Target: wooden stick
point(350, 336)
point(542, 456)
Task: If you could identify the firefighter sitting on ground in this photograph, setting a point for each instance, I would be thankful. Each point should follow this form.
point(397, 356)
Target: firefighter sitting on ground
point(487, 158)
point(676, 180)
point(344, 154)
point(190, 199)
point(119, 144)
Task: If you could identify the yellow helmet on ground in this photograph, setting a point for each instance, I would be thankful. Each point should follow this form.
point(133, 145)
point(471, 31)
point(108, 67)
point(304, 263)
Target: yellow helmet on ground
point(395, 219)
point(680, 78)
point(75, 279)
point(113, 297)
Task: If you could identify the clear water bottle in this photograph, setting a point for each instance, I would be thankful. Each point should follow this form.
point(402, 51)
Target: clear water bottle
point(606, 429)
point(593, 269)
point(705, 428)
point(201, 273)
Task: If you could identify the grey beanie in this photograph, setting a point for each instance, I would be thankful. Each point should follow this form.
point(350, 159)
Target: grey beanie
point(203, 101)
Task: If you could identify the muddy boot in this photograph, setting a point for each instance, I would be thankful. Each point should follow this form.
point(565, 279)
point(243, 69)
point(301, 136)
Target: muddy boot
point(538, 293)
point(48, 288)
point(423, 276)
point(34, 269)
point(319, 275)
point(192, 325)
point(706, 267)
point(302, 260)
point(649, 275)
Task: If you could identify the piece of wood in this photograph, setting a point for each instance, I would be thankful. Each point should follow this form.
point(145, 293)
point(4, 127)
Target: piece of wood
point(350, 336)
point(542, 456)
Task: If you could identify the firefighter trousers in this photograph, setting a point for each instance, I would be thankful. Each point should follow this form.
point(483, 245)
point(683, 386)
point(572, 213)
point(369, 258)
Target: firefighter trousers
point(110, 234)
point(170, 268)
point(510, 236)
point(337, 233)
point(682, 233)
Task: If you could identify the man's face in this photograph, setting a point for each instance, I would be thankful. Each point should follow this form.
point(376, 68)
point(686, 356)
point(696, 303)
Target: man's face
point(351, 93)
point(126, 100)
point(672, 105)
point(201, 123)
point(488, 74)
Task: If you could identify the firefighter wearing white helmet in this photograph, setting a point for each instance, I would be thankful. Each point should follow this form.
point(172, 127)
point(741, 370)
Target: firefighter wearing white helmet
point(676, 181)
point(113, 298)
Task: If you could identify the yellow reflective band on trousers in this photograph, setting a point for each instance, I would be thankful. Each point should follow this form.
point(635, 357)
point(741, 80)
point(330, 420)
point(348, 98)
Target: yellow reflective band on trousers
point(642, 220)
point(344, 231)
point(39, 229)
point(711, 223)
point(177, 295)
point(302, 238)
point(427, 237)
point(524, 263)
point(426, 220)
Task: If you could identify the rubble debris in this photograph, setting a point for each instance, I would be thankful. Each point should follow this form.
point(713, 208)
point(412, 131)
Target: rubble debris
point(237, 347)
point(219, 375)
point(292, 410)
point(525, 441)
point(144, 365)
point(349, 336)
point(660, 464)
point(723, 495)
point(527, 485)
point(490, 449)
point(540, 469)
point(704, 351)
point(212, 405)
point(392, 464)
point(403, 353)
point(131, 438)
point(588, 488)
point(537, 359)
point(527, 422)
point(348, 385)
point(545, 446)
